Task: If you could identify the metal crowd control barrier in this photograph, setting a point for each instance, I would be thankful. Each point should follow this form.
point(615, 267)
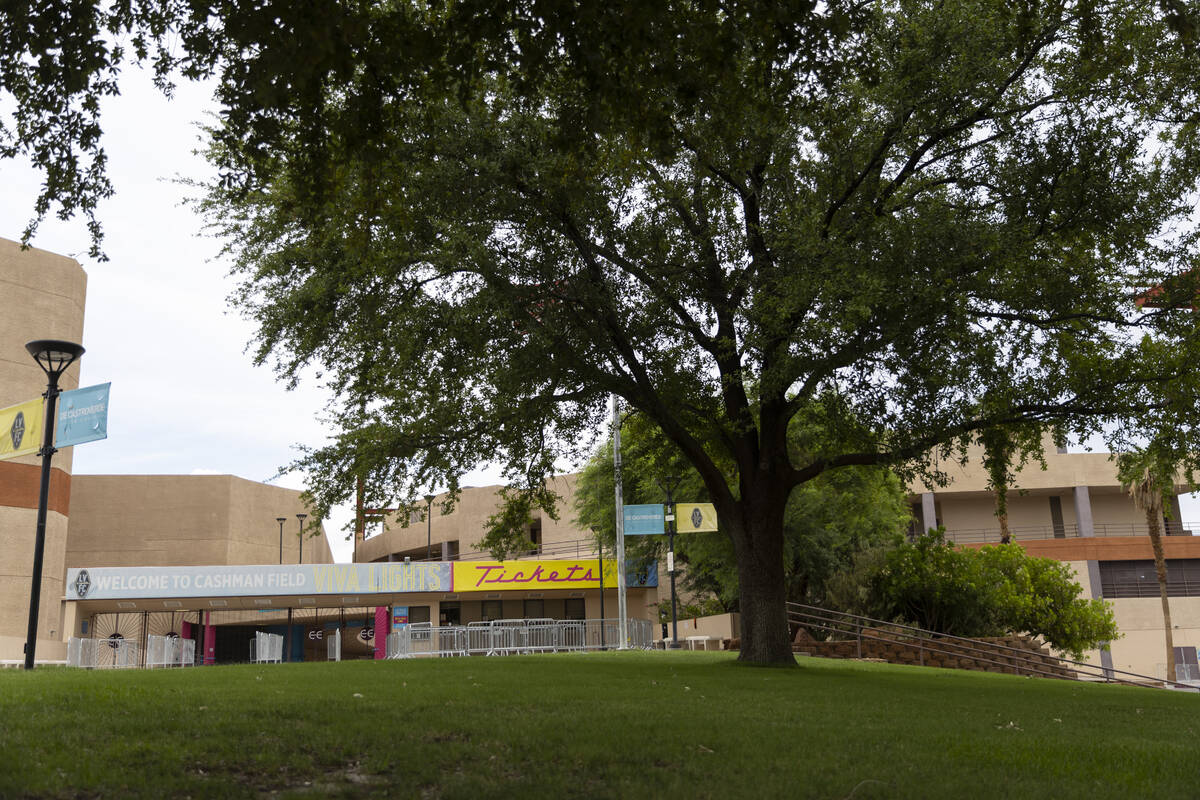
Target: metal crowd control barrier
point(266, 648)
point(333, 645)
point(504, 637)
point(103, 653)
point(170, 651)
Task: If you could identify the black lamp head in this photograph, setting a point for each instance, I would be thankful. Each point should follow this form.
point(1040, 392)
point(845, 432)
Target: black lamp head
point(54, 356)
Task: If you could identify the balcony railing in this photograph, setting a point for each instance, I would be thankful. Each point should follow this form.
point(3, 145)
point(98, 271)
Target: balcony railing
point(992, 535)
point(575, 548)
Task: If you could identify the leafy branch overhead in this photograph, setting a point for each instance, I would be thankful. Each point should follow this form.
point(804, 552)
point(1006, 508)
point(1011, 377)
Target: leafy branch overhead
point(909, 223)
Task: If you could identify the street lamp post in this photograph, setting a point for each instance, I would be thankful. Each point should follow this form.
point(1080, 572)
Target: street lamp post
point(428, 527)
point(669, 484)
point(600, 564)
point(300, 534)
point(53, 357)
point(281, 520)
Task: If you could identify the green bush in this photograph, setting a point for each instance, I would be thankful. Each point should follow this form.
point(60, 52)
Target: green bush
point(991, 591)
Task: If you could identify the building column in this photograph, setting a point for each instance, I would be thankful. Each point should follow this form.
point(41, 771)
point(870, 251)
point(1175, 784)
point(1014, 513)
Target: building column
point(928, 512)
point(1083, 512)
point(1087, 528)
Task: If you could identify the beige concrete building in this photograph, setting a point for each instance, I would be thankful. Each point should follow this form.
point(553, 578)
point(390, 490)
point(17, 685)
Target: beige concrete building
point(1074, 510)
point(108, 520)
point(42, 295)
point(432, 532)
point(187, 520)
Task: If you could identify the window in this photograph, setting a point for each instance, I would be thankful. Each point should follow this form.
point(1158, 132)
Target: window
point(1139, 579)
point(573, 608)
point(450, 613)
point(418, 614)
point(491, 610)
point(535, 609)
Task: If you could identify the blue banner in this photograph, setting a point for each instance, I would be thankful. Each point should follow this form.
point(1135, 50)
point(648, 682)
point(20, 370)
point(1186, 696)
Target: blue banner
point(645, 520)
point(642, 573)
point(82, 416)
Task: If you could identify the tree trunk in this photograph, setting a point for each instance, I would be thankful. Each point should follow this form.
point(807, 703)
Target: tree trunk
point(1005, 536)
point(1160, 567)
point(758, 540)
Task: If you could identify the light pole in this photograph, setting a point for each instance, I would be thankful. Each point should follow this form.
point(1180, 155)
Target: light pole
point(281, 520)
point(600, 563)
point(669, 484)
point(428, 527)
point(53, 357)
point(300, 534)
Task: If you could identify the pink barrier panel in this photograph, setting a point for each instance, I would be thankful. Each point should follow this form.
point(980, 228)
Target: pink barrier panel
point(382, 628)
point(210, 639)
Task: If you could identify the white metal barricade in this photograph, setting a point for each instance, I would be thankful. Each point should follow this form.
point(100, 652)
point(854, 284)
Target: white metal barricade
point(266, 648)
point(333, 644)
point(170, 651)
point(513, 636)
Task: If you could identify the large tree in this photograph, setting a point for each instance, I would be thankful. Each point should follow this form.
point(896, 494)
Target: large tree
point(916, 221)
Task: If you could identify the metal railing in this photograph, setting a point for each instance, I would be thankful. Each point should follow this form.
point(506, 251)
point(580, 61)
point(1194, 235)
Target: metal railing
point(991, 535)
point(575, 548)
point(170, 651)
point(851, 627)
point(103, 653)
point(266, 648)
point(514, 637)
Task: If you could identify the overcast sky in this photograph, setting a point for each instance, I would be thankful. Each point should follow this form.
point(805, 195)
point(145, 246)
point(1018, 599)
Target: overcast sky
point(185, 397)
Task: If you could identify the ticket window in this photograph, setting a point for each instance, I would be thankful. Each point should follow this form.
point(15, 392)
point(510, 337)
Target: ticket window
point(450, 613)
point(534, 609)
point(418, 614)
point(491, 610)
point(574, 608)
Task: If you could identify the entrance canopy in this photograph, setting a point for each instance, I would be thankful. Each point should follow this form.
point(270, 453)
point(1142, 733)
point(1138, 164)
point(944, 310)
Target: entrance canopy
point(332, 585)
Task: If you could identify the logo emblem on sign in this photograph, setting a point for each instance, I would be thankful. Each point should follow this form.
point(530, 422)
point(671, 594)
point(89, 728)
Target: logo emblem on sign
point(17, 431)
point(83, 583)
point(366, 634)
point(697, 518)
point(115, 640)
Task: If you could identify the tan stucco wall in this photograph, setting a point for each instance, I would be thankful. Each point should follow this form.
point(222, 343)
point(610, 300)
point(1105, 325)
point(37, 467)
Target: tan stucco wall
point(1142, 647)
point(184, 520)
point(43, 298)
point(465, 524)
point(1062, 469)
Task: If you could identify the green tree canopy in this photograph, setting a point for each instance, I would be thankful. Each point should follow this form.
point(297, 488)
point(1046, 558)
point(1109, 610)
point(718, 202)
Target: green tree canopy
point(992, 591)
point(828, 520)
point(914, 221)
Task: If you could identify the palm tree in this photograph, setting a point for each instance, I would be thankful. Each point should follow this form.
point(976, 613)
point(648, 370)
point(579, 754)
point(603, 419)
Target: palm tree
point(1147, 496)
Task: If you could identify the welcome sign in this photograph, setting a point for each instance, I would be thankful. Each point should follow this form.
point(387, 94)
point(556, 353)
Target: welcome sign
point(132, 583)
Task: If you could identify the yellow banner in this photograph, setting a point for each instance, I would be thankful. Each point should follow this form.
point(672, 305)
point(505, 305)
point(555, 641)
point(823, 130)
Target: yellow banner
point(497, 576)
point(21, 429)
point(695, 517)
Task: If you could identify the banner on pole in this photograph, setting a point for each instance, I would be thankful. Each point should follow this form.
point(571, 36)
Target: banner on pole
point(644, 520)
point(695, 517)
point(82, 416)
point(21, 429)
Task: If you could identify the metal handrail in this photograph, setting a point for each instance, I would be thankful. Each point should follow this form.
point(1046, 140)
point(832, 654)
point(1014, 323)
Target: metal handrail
point(1101, 529)
point(826, 619)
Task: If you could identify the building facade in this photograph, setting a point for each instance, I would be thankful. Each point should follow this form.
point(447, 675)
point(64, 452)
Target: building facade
point(1075, 510)
point(43, 297)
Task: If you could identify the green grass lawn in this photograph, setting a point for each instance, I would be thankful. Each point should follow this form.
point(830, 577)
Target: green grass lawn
point(598, 725)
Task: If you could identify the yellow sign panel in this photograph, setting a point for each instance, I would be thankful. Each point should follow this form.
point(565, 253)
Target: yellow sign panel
point(496, 576)
point(21, 429)
point(695, 517)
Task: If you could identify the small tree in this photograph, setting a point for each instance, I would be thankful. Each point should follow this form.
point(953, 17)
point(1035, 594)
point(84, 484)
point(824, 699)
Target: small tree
point(986, 592)
point(1148, 478)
